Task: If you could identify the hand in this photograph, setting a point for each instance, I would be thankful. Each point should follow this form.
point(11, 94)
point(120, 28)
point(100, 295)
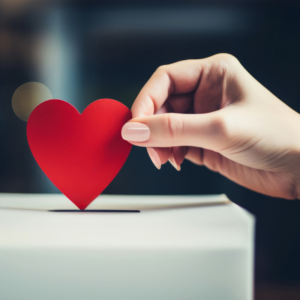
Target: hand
point(214, 113)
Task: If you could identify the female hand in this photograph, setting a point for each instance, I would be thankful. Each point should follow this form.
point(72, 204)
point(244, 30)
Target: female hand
point(214, 113)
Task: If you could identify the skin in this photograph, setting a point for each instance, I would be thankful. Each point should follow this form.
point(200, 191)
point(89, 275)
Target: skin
point(214, 113)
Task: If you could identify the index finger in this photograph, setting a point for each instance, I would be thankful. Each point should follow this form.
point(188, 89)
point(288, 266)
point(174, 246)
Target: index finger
point(178, 78)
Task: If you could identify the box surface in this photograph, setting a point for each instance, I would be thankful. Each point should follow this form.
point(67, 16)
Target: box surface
point(176, 247)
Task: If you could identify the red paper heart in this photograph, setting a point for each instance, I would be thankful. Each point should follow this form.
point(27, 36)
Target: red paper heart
point(80, 153)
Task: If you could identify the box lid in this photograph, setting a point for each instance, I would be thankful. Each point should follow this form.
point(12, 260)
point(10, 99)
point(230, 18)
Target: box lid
point(26, 220)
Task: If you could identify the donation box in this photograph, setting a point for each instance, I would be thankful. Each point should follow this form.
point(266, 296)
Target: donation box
point(125, 247)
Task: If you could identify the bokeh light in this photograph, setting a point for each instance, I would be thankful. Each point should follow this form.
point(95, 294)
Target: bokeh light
point(27, 97)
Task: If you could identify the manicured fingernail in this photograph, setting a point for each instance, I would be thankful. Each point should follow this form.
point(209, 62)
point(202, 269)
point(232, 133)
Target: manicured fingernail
point(135, 132)
point(154, 157)
point(173, 163)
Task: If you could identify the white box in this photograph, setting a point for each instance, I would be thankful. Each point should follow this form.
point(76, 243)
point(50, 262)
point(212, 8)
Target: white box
point(176, 247)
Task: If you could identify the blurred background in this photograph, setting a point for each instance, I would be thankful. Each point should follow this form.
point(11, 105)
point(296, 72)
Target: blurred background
point(86, 50)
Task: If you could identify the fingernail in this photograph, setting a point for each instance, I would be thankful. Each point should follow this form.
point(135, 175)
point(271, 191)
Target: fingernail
point(154, 157)
point(135, 132)
point(173, 163)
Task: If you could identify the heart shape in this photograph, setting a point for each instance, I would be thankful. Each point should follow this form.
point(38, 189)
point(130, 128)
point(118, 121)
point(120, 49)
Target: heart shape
point(80, 153)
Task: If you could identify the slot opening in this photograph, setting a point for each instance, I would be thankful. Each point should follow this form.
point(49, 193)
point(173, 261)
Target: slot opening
point(95, 211)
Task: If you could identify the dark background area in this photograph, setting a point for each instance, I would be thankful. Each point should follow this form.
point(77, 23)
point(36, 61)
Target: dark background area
point(87, 50)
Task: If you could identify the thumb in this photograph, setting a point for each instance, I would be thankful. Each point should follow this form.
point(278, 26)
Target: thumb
point(169, 130)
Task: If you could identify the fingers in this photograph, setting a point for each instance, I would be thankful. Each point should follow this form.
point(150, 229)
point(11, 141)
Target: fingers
point(210, 159)
point(175, 103)
point(160, 156)
point(184, 77)
point(195, 155)
point(172, 88)
point(181, 103)
point(177, 156)
point(171, 130)
point(178, 78)
point(154, 157)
